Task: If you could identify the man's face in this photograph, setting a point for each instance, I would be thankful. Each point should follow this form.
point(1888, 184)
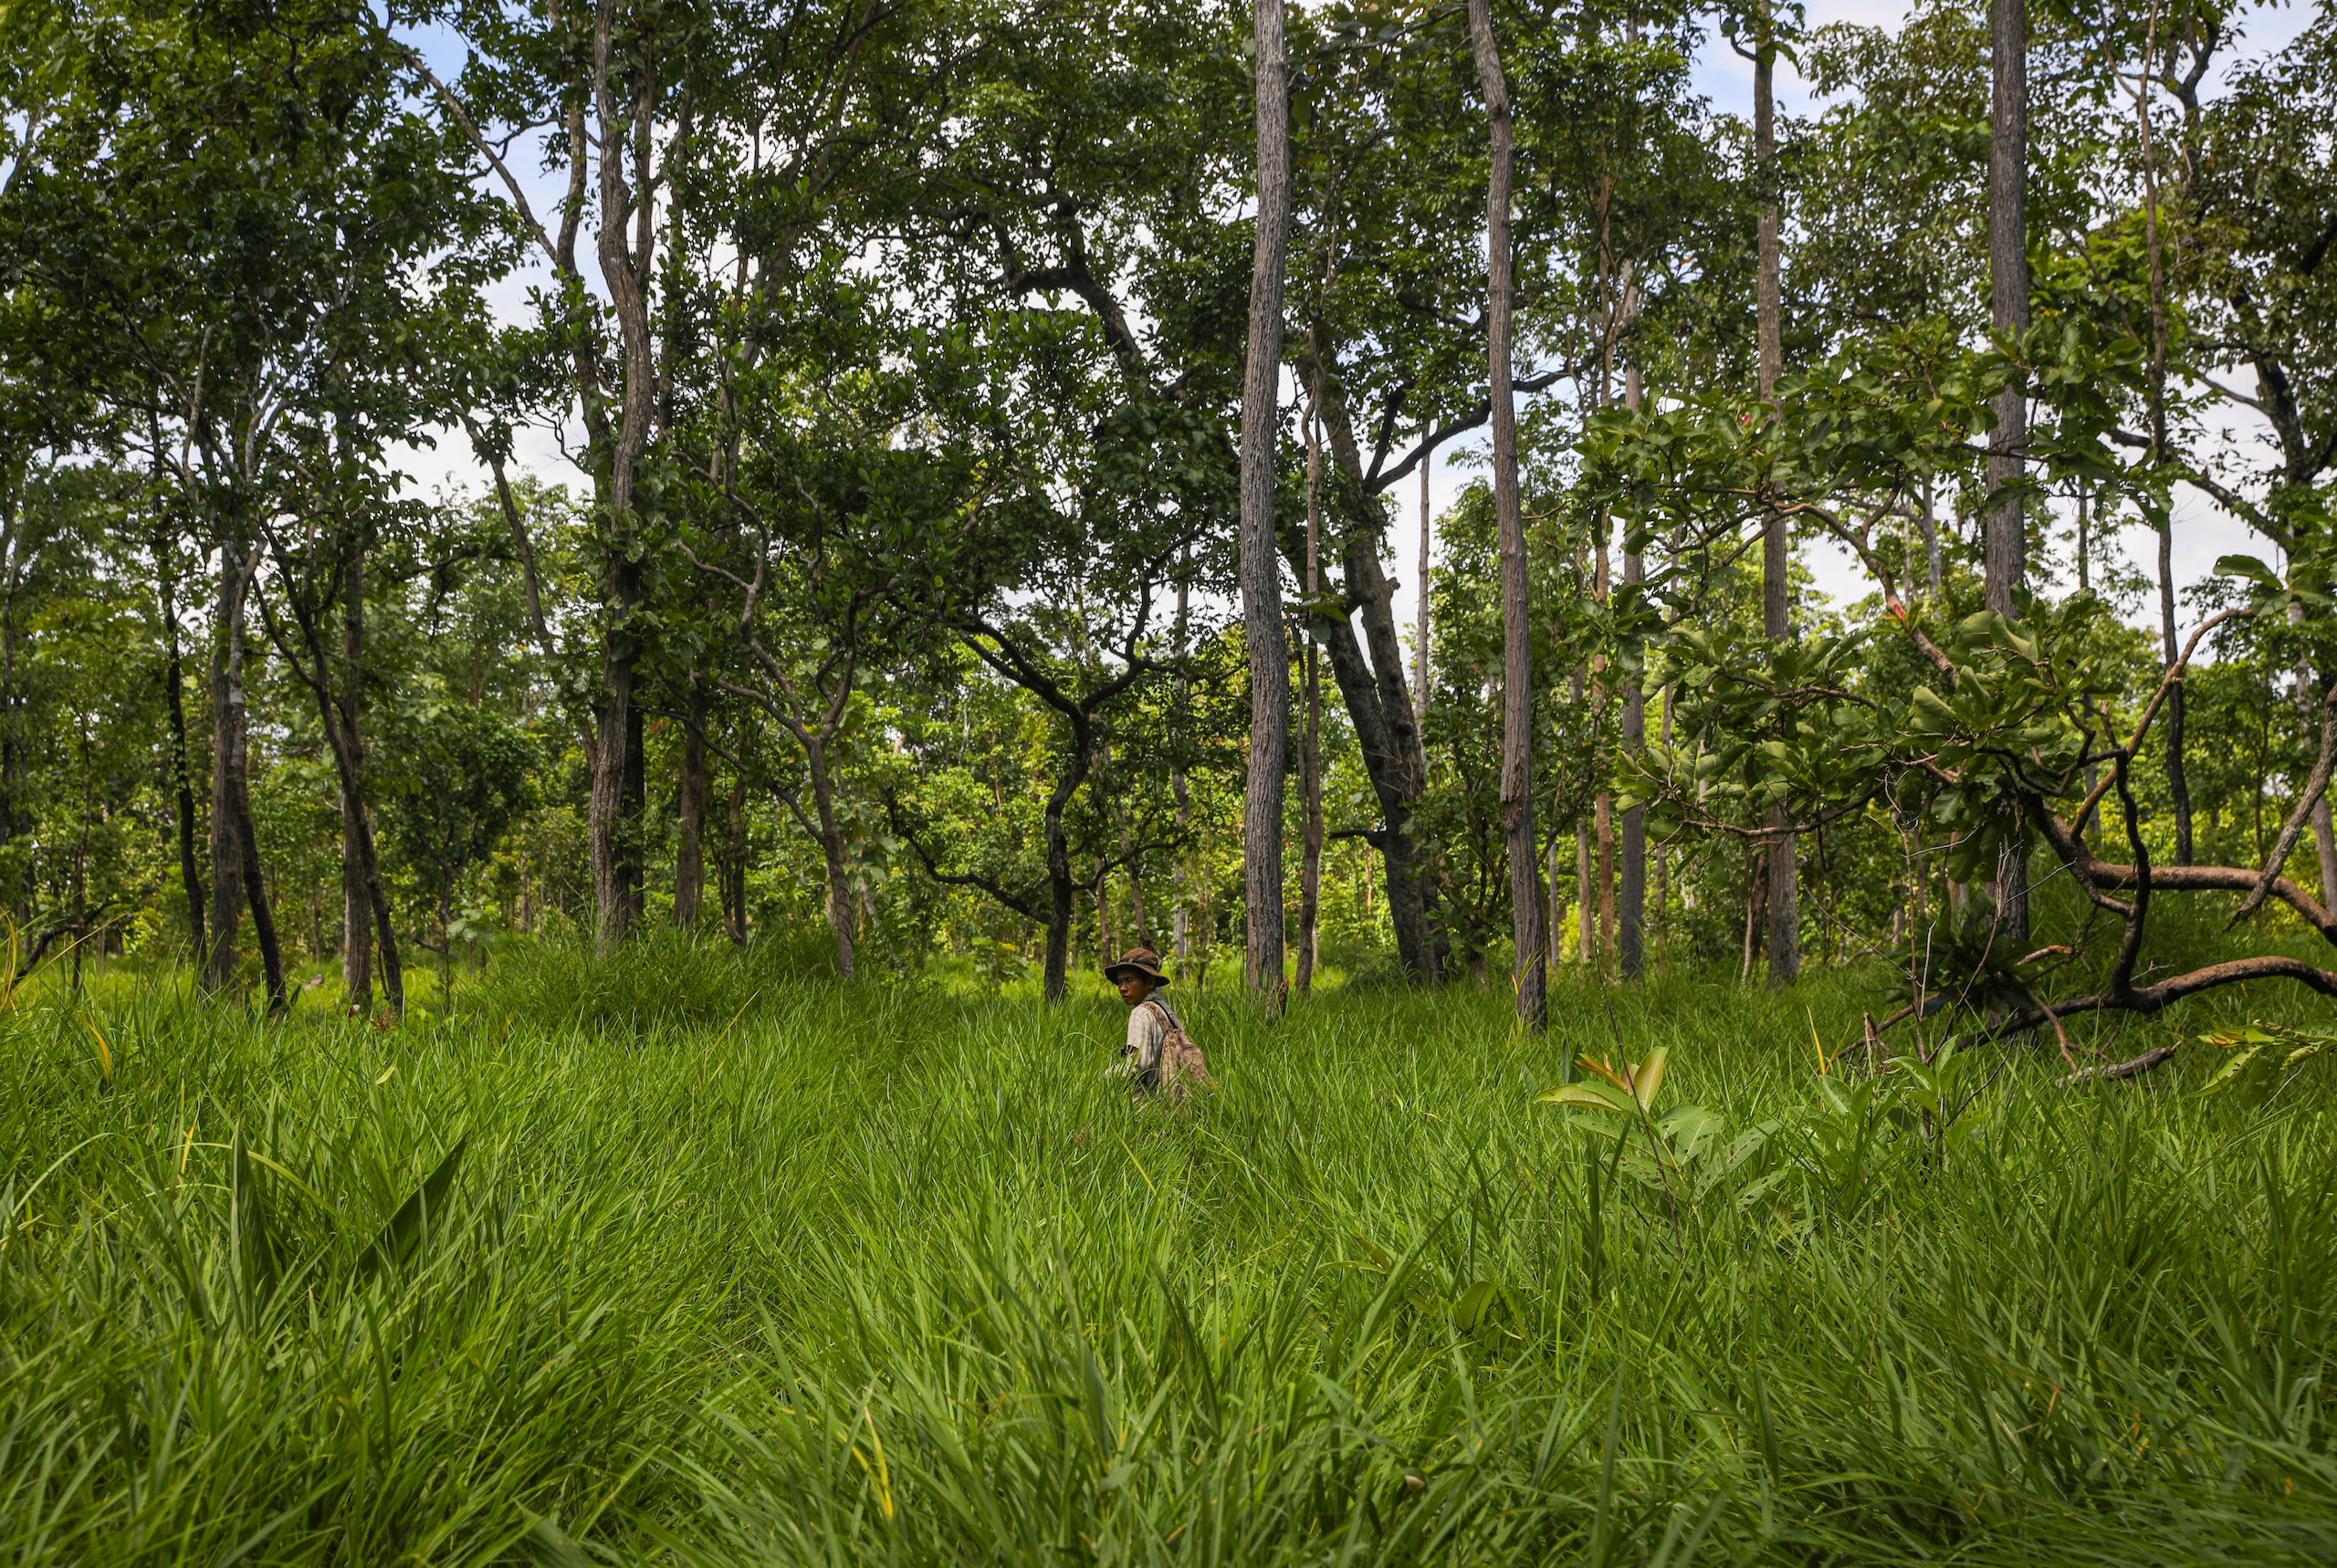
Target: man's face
point(1134, 988)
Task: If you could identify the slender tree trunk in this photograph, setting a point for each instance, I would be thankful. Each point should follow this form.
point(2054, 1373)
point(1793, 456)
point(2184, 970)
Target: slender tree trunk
point(1784, 946)
point(1587, 957)
point(271, 954)
point(1421, 670)
point(734, 865)
point(356, 901)
point(236, 853)
point(182, 764)
point(626, 258)
point(1180, 918)
point(1630, 929)
point(2324, 845)
point(81, 863)
point(1603, 806)
point(636, 814)
point(1554, 873)
point(1310, 874)
point(2007, 549)
point(689, 855)
point(1661, 892)
point(2007, 545)
point(1260, 563)
point(832, 859)
point(2178, 781)
point(12, 752)
point(1631, 922)
point(226, 765)
point(1517, 605)
point(1060, 889)
point(1379, 702)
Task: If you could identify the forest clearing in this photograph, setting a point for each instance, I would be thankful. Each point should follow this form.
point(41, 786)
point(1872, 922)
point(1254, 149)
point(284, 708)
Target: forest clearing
point(1680, 658)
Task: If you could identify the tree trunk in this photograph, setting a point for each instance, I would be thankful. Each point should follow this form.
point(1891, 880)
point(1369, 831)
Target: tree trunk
point(734, 865)
point(1603, 806)
point(1180, 917)
point(689, 855)
point(2178, 779)
point(1631, 914)
point(1587, 957)
point(226, 765)
point(1310, 874)
point(356, 901)
point(832, 859)
point(2007, 529)
point(2007, 547)
point(1378, 701)
point(1059, 890)
point(1554, 940)
point(271, 955)
point(636, 814)
point(234, 853)
point(1661, 891)
point(182, 764)
point(1777, 554)
point(615, 854)
point(1516, 606)
point(1259, 561)
point(1103, 948)
point(1421, 669)
point(613, 820)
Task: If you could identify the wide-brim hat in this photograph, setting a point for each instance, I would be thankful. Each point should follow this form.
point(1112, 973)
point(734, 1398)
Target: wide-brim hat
point(1138, 961)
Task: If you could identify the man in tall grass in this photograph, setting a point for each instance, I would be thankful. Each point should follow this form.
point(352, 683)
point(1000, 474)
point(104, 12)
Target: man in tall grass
point(1154, 1032)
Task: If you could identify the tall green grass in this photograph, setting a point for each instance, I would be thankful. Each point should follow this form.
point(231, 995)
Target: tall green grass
point(736, 1268)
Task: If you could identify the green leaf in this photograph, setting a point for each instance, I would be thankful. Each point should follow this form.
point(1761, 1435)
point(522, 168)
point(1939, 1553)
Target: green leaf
point(1649, 1076)
point(259, 1251)
point(1586, 1097)
point(409, 1228)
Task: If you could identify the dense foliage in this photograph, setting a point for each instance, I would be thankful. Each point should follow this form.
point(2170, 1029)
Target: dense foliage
point(883, 580)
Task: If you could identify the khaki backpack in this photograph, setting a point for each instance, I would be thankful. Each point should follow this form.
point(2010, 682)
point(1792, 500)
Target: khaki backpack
point(1183, 1070)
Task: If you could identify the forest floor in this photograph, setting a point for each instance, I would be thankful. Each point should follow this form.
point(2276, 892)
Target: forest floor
point(674, 1261)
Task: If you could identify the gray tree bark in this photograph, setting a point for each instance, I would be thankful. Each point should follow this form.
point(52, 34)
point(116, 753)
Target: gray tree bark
point(1379, 699)
point(2006, 540)
point(1420, 641)
point(1784, 934)
point(356, 900)
point(1260, 568)
point(1516, 607)
point(626, 259)
point(1180, 917)
point(182, 766)
point(2178, 780)
point(1310, 871)
point(689, 854)
point(226, 764)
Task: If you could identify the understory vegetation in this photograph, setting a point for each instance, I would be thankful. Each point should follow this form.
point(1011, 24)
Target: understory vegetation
point(688, 1259)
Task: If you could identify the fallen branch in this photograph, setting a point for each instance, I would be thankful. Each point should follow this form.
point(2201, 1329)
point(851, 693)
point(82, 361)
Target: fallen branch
point(2134, 1069)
